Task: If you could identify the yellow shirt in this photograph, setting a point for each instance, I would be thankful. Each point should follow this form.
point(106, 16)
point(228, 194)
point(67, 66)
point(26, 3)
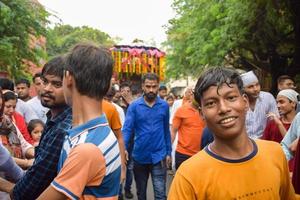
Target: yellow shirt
point(262, 175)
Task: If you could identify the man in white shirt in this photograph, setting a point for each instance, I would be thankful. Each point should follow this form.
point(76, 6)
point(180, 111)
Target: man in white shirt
point(35, 103)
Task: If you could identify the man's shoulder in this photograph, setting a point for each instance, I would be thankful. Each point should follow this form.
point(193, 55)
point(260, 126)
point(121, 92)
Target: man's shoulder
point(264, 94)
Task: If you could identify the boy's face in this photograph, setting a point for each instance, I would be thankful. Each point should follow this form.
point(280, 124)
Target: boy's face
point(224, 110)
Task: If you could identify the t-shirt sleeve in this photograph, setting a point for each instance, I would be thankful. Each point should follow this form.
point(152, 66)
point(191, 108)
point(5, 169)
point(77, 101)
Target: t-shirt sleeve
point(181, 189)
point(84, 166)
point(115, 119)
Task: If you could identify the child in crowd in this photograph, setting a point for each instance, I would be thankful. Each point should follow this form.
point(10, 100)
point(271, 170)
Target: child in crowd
point(36, 128)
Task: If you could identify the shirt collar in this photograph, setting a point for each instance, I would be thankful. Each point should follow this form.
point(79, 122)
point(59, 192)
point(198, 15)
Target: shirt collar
point(60, 117)
point(99, 121)
point(158, 100)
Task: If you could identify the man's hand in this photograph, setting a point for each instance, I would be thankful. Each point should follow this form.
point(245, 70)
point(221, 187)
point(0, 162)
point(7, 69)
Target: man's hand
point(274, 117)
point(6, 186)
point(127, 97)
point(168, 162)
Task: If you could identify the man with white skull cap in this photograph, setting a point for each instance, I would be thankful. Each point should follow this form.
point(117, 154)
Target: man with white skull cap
point(290, 140)
point(278, 126)
point(260, 103)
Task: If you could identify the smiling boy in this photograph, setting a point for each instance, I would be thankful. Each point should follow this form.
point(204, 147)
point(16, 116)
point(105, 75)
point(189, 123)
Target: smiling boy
point(233, 166)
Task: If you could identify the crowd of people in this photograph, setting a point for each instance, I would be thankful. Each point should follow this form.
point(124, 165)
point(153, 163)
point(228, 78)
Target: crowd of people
point(87, 136)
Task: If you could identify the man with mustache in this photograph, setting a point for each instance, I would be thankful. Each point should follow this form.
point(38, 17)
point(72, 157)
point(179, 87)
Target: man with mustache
point(59, 119)
point(148, 118)
point(260, 105)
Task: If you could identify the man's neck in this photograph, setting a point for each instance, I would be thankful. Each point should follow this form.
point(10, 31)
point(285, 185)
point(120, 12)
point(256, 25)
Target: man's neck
point(237, 148)
point(56, 111)
point(149, 103)
point(27, 98)
point(252, 102)
point(85, 109)
point(288, 118)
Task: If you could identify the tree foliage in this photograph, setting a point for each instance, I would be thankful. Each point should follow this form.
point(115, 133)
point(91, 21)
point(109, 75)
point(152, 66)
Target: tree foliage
point(250, 34)
point(63, 37)
point(21, 21)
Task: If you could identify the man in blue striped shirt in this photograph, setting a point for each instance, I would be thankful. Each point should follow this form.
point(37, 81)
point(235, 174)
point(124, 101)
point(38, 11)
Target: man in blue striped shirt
point(261, 104)
point(90, 165)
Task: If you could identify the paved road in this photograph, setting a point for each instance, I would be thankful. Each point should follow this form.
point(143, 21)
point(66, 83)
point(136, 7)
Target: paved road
point(150, 194)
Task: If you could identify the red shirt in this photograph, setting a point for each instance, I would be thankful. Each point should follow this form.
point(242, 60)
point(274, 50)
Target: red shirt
point(19, 120)
point(272, 132)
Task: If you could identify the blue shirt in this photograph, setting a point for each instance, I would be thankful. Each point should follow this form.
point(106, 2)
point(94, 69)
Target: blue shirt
point(98, 133)
point(44, 169)
point(152, 139)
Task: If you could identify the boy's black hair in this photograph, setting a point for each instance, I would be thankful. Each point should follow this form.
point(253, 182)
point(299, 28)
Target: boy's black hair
point(217, 77)
point(23, 81)
point(54, 67)
point(92, 68)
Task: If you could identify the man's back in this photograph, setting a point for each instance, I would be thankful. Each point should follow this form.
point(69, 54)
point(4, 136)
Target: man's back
point(261, 175)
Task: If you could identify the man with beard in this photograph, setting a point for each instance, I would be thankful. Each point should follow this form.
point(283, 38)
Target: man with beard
point(260, 105)
point(44, 168)
point(148, 118)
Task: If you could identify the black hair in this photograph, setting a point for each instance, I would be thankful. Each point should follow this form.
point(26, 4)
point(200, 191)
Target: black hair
point(162, 87)
point(124, 85)
point(7, 84)
point(150, 76)
point(32, 124)
point(170, 97)
point(92, 68)
point(54, 67)
point(9, 95)
point(284, 77)
point(23, 81)
point(217, 77)
point(37, 75)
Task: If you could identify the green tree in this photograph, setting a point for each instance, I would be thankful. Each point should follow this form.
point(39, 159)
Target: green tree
point(20, 22)
point(62, 37)
point(258, 34)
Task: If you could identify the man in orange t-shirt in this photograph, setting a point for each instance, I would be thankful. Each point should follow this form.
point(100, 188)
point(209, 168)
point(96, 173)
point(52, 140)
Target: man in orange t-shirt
point(189, 125)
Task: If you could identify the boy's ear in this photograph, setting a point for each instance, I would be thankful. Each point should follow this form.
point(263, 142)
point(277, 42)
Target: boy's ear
point(201, 113)
point(68, 78)
point(246, 99)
